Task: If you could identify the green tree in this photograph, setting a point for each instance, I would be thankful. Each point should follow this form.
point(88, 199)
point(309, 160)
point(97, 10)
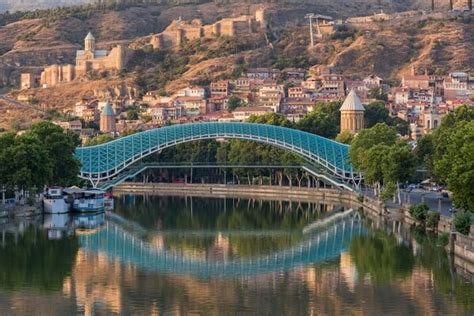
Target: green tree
point(462, 222)
point(419, 212)
point(345, 137)
point(432, 220)
point(424, 152)
point(456, 166)
point(376, 112)
point(376, 152)
point(233, 103)
point(99, 139)
point(323, 121)
point(133, 114)
point(271, 118)
point(380, 134)
point(24, 162)
point(60, 146)
point(399, 165)
point(372, 165)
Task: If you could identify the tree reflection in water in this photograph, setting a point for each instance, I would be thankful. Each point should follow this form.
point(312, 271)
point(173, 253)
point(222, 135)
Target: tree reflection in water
point(33, 261)
point(381, 257)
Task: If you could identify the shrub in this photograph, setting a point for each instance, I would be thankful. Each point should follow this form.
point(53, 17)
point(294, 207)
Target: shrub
point(462, 222)
point(432, 220)
point(419, 212)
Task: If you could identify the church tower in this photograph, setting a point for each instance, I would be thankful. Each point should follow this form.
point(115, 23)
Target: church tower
point(107, 119)
point(89, 43)
point(352, 114)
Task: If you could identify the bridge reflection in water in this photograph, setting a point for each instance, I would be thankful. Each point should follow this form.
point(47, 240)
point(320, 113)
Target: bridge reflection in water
point(322, 245)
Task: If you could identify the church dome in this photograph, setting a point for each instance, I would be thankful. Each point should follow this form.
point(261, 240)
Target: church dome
point(352, 103)
point(107, 110)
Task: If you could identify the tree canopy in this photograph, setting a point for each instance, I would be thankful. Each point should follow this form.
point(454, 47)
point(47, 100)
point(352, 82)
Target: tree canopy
point(323, 121)
point(44, 155)
point(447, 155)
point(382, 158)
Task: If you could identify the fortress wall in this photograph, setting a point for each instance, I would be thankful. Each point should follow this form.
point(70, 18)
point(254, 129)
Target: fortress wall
point(56, 74)
point(227, 28)
point(211, 30)
point(192, 33)
point(177, 31)
point(241, 27)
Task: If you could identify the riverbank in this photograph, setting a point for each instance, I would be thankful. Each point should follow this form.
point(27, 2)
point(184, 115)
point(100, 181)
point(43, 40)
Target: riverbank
point(264, 192)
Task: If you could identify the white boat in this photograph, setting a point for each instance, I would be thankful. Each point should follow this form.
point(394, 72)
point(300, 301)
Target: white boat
point(54, 201)
point(86, 200)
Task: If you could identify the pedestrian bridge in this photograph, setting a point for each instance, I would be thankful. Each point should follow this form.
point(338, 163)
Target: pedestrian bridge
point(323, 245)
point(324, 157)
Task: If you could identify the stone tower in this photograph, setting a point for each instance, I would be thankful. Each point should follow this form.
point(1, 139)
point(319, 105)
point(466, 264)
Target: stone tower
point(89, 43)
point(119, 60)
point(107, 119)
point(260, 17)
point(352, 114)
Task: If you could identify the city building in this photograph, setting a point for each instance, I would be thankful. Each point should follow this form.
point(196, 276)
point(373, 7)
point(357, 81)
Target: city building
point(352, 114)
point(107, 119)
point(220, 88)
point(245, 112)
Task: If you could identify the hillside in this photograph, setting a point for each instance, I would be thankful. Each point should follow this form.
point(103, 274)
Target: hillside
point(385, 49)
point(14, 5)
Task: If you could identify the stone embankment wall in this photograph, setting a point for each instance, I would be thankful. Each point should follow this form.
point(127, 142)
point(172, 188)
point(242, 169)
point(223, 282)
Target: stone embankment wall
point(463, 249)
point(303, 194)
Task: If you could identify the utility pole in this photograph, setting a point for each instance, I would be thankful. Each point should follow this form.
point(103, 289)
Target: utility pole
point(432, 5)
point(450, 5)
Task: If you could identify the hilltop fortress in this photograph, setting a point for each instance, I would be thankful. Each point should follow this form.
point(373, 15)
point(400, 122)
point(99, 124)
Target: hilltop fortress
point(91, 59)
point(88, 60)
point(180, 31)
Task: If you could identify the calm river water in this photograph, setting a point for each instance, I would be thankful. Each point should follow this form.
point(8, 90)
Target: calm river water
point(174, 255)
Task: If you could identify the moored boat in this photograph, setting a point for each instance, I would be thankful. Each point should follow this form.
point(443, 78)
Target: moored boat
point(86, 200)
point(54, 201)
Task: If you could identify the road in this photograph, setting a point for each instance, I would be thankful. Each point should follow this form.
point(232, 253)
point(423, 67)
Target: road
point(20, 104)
point(434, 200)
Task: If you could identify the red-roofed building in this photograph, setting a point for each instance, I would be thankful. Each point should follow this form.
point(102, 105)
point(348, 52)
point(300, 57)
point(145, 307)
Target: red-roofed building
point(219, 88)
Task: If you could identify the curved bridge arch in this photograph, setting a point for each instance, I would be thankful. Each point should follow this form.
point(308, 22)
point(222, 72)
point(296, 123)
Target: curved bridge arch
point(105, 161)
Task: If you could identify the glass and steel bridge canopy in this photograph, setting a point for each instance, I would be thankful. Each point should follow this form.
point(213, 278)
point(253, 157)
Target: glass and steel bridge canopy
point(105, 161)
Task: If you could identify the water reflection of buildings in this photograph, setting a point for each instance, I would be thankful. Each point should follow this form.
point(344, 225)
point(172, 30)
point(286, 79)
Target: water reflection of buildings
point(96, 281)
point(100, 283)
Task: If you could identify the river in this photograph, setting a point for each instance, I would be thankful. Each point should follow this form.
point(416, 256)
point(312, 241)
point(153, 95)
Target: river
point(157, 255)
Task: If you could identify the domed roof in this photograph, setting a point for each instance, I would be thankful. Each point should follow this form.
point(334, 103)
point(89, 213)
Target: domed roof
point(352, 103)
point(90, 36)
point(107, 110)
